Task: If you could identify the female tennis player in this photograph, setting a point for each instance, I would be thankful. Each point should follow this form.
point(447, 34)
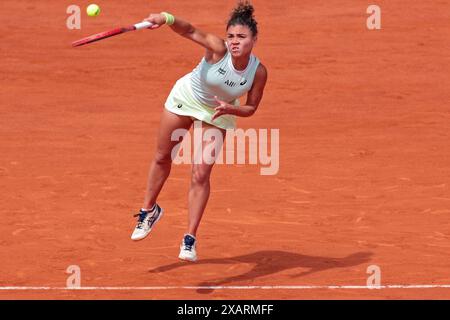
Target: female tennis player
point(209, 94)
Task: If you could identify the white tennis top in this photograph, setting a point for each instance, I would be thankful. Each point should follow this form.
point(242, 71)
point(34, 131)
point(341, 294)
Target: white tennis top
point(222, 80)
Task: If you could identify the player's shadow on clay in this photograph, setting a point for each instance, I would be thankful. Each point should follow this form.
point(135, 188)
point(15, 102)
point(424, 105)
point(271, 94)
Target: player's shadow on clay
point(270, 262)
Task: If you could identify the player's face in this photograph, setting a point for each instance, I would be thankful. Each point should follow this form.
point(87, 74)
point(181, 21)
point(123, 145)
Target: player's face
point(240, 40)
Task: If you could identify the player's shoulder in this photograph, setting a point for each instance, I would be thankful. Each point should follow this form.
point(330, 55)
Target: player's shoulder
point(213, 57)
point(261, 71)
point(261, 68)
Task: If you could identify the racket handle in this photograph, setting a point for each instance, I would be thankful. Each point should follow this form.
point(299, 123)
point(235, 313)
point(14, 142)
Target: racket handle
point(142, 25)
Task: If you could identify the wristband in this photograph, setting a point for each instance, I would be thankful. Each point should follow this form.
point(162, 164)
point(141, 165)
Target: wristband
point(170, 19)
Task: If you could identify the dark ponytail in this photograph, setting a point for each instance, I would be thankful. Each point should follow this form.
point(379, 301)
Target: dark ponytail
point(243, 15)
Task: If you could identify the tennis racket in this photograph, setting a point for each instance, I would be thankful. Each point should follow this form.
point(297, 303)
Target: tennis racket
point(110, 33)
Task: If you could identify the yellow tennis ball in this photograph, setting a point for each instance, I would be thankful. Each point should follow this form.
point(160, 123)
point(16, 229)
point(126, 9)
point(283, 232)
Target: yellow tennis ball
point(93, 10)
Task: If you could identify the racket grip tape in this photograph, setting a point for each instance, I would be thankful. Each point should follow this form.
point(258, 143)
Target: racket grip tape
point(142, 25)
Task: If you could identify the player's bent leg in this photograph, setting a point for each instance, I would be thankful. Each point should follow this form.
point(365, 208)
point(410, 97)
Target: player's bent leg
point(160, 167)
point(162, 162)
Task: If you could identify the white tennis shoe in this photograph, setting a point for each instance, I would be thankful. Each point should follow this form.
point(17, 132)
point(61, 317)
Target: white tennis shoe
point(187, 248)
point(146, 221)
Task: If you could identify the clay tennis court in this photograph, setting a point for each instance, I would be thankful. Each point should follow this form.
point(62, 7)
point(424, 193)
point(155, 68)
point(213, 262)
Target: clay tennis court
point(364, 176)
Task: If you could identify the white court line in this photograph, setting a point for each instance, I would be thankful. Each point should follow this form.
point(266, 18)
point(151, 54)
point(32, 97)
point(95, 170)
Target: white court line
point(421, 286)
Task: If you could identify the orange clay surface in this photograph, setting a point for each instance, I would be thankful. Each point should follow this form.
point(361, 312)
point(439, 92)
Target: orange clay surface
point(364, 177)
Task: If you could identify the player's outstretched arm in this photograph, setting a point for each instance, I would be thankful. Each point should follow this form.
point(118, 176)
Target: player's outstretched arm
point(211, 42)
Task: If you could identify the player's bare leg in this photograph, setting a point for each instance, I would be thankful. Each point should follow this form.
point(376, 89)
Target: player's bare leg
point(159, 171)
point(200, 181)
point(199, 192)
point(162, 161)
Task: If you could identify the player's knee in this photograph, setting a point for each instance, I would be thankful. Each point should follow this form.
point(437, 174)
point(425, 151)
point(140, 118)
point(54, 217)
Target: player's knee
point(200, 176)
point(162, 158)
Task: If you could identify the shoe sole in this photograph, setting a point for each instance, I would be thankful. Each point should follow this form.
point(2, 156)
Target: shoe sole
point(187, 259)
point(148, 232)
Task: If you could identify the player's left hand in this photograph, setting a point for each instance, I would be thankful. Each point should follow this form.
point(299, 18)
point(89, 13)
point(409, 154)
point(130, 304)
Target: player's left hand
point(223, 108)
